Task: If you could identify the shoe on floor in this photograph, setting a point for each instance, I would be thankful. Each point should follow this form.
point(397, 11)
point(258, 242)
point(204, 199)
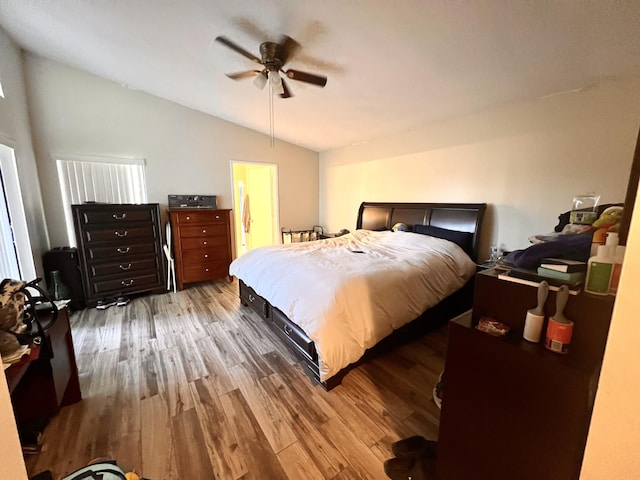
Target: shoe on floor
point(106, 303)
point(122, 301)
point(410, 467)
point(415, 444)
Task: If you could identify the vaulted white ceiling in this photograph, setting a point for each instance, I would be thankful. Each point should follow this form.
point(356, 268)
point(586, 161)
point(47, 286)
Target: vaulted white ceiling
point(391, 64)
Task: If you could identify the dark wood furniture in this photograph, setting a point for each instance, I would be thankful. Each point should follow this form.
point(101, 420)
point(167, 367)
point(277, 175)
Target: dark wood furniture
point(120, 248)
point(202, 244)
point(511, 408)
point(47, 379)
point(381, 216)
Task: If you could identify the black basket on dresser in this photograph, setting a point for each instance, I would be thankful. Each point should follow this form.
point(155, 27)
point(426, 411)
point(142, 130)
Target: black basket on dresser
point(120, 249)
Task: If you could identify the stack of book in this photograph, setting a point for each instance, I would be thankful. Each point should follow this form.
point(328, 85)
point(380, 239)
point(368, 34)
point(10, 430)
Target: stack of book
point(555, 271)
point(570, 272)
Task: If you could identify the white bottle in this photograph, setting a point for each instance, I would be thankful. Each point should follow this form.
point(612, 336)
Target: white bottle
point(612, 243)
point(617, 268)
point(599, 272)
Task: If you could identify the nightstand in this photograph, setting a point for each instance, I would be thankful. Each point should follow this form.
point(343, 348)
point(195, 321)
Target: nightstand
point(485, 266)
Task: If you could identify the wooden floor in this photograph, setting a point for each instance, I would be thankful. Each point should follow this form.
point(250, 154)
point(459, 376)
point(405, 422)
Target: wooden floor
point(191, 385)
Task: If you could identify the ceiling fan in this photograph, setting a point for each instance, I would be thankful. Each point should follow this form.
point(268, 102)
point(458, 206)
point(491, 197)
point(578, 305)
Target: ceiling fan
point(274, 57)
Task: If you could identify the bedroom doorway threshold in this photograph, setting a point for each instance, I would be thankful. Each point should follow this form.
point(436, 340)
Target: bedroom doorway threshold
point(255, 205)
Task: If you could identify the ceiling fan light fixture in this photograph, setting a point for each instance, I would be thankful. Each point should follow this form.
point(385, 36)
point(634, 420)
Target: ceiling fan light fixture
point(276, 83)
point(260, 81)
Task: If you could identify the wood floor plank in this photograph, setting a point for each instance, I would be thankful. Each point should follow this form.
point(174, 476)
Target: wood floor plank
point(156, 442)
point(213, 359)
point(266, 410)
point(192, 359)
point(186, 384)
point(357, 453)
point(296, 463)
point(324, 455)
point(127, 450)
point(127, 399)
point(352, 414)
point(111, 333)
point(218, 431)
point(186, 433)
point(260, 458)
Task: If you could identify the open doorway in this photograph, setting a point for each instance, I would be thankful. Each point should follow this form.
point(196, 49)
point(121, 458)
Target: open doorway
point(255, 200)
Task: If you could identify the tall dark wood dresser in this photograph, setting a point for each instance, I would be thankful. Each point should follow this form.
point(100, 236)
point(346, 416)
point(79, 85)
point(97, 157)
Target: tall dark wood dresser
point(201, 244)
point(120, 249)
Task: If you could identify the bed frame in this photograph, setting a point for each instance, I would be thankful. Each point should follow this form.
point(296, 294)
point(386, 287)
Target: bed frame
point(465, 217)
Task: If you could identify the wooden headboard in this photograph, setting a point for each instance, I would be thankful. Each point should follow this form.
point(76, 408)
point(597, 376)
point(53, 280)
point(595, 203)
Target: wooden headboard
point(463, 217)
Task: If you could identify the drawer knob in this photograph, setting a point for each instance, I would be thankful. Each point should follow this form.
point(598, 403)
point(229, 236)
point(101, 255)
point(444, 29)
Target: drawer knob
point(206, 255)
point(123, 250)
point(121, 234)
point(124, 267)
point(119, 217)
point(204, 243)
point(206, 269)
point(188, 217)
point(287, 330)
point(126, 283)
point(251, 298)
point(204, 231)
point(217, 217)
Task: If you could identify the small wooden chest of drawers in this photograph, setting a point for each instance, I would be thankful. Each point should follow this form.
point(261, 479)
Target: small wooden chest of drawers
point(120, 249)
point(202, 244)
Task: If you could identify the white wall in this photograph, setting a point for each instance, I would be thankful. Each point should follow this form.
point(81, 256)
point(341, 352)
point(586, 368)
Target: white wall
point(16, 133)
point(187, 151)
point(14, 126)
point(526, 160)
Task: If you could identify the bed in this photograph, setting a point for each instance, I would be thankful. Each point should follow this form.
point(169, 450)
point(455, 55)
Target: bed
point(335, 302)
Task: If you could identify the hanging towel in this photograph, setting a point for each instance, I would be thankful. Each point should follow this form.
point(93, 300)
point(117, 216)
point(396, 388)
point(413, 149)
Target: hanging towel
point(246, 214)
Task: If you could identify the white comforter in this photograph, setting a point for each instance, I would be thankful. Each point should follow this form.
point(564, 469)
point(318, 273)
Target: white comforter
point(347, 301)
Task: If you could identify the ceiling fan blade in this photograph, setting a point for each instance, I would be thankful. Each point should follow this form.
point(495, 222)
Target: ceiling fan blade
point(287, 93)
point(242, 75)
point(289, 48)
point(237, 48)
point(306, 77)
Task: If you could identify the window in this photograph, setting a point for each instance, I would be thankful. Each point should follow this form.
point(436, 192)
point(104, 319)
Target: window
point(16, 258)
point(99, 179)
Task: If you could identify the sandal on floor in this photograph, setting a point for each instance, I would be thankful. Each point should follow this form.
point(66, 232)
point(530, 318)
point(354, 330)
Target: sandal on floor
point(410, 467)
point(415, 444)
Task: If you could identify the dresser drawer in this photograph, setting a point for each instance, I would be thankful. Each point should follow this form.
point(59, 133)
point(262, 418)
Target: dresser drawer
point(191, 257)
point(126, 283)
point(116, 216)
point(199, 231)
point(258, 304)
point(120, 251)
point(123, 268)
point(201, 243)
point(198, 217)
point(122, 234)
point(205, 271)
point(294, 334)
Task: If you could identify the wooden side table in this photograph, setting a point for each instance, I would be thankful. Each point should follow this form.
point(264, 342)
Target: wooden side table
point(45, 381)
